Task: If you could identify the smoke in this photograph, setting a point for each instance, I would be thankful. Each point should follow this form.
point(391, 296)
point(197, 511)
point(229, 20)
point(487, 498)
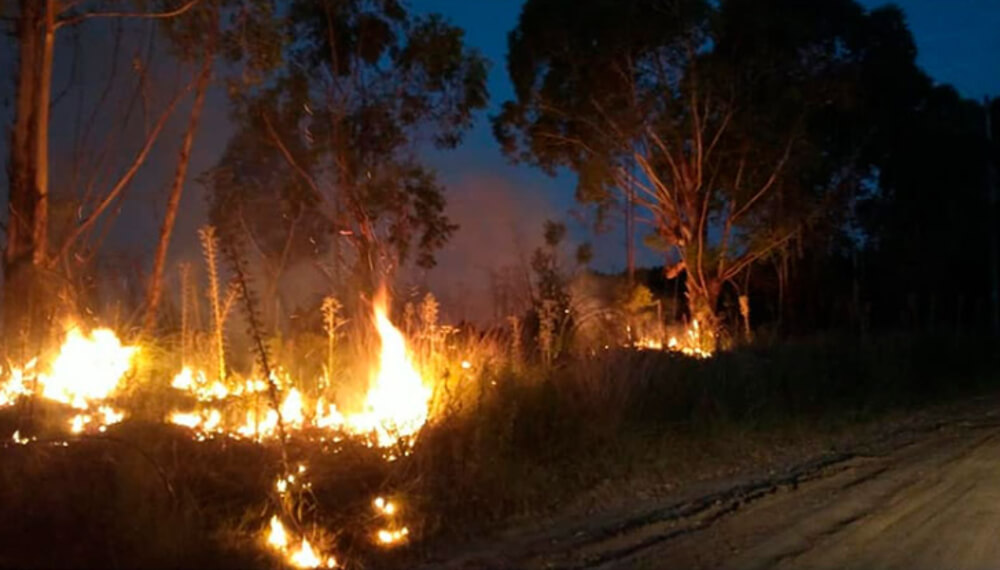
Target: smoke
point(101, 122)
point(500, 225)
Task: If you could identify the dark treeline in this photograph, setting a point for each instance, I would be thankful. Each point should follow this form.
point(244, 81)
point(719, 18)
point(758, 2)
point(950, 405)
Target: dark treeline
point(791, 152)
point(919, 255)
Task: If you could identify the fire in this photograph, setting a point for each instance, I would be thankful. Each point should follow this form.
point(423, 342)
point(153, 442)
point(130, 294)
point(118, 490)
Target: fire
point(197, 384)
point(206, 421)
point(15, 386)
point(305, 557)
point(385, 507)
point(84, 373)
point(688, 344)
point(393, 535)
point(21, 440)
point(277, 537)
point(395, 406)
point(189, 420)
point(291, 409)
point(104, 417)
point(397, 402)
point(88, 368)
point(302, 557)
point(327, 416)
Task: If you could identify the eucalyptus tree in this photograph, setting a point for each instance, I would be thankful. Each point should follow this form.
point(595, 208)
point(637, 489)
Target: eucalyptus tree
point(732, 124)
point(30, 253)
point(245, 35)
point(366, 85)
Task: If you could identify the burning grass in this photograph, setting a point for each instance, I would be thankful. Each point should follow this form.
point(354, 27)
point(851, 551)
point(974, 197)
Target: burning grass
point(140, 463)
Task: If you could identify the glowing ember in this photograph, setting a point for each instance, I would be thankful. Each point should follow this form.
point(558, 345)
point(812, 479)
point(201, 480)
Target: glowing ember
point(384, 507)
point(397, 402)
point(392, 537)
point(21, 440)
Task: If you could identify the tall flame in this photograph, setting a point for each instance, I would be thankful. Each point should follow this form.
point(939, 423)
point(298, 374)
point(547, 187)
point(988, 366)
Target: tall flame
point(397, 402)
point(87, 368)
point(395, 407)
point(84, 374)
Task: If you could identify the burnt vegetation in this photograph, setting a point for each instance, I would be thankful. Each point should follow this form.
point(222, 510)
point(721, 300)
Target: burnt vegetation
point(826, 216)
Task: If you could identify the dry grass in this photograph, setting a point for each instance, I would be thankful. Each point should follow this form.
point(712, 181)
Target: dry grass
point(510, 437)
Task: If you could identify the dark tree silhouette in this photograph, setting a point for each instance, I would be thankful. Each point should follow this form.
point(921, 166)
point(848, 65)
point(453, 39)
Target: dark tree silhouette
point(732, 125)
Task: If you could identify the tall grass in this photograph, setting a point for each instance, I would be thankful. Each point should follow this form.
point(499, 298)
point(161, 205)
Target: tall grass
point(513, 431)
point(531, 439)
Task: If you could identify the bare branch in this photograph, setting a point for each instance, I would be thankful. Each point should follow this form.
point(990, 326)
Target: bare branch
point(68, 5)
point(291, 159)
point(770, 180)
point(718, 134)
point(726, 232)
point(139, 159)
point(663, 195)
point(146, 15)
point(752, 256)
point(666, 152)
point(702, 228)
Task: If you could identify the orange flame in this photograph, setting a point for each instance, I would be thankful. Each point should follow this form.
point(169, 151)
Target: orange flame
point(395, 408)
point(397, 402)
point(87, 368)
point(302, 557)
point(84, 374)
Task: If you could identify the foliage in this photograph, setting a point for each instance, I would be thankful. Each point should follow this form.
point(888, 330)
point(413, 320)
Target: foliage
point(734, 129)
point(332, 138)
point(928, 222)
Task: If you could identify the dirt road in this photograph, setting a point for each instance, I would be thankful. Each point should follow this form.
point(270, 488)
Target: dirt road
point(925, 499)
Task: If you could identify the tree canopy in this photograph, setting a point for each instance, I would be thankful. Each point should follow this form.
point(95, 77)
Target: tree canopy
point(334, 137)
point(733, 125)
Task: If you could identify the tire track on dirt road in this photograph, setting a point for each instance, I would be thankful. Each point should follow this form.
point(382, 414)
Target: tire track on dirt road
point(819, 514)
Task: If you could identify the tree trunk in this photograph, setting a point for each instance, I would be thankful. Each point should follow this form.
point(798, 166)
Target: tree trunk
point(42, 98)
point(745, 314)
point(173, 203)
point(994, 200)
point(630, 234)
point(19, 252)
point(702, 300)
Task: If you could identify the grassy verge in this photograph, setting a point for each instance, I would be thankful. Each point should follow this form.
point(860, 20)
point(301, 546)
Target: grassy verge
point(522, 441)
